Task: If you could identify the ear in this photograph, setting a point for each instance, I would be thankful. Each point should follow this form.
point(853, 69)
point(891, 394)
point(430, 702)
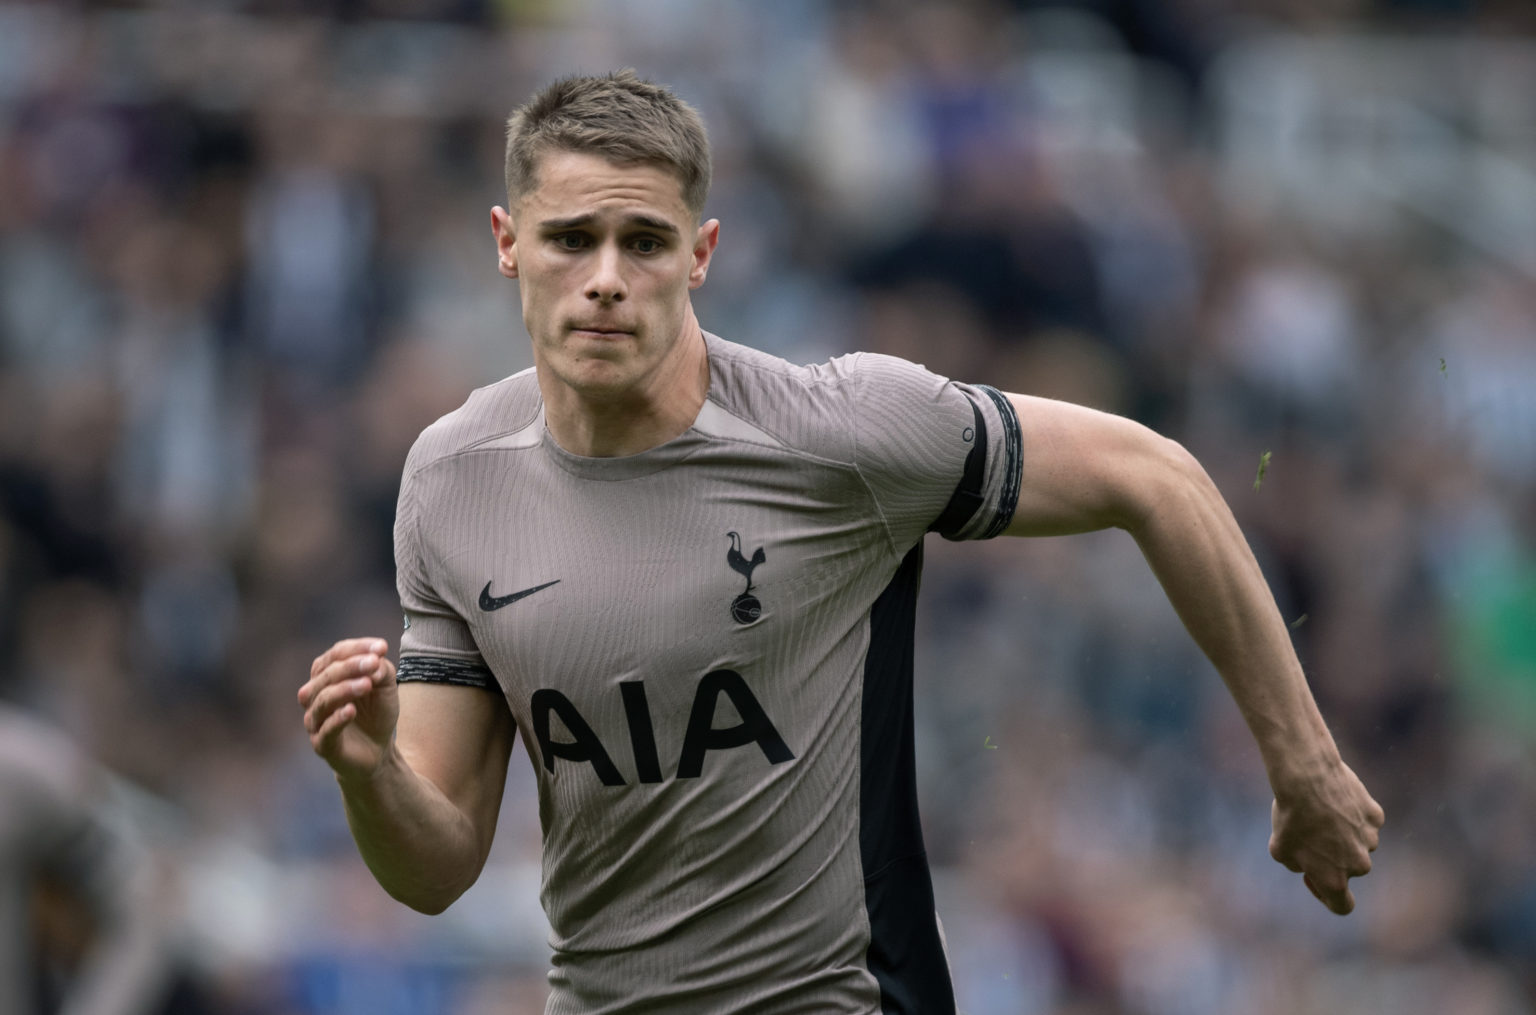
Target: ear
point(506, 241)
point(704, 243)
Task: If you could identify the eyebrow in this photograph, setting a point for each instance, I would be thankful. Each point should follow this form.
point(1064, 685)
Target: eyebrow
point(579, 221)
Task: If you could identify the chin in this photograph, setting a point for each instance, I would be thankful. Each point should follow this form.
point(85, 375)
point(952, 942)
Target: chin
point(594, 376)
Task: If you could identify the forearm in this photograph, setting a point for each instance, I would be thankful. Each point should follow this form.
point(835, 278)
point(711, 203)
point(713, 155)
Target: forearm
point(1194, 546)
point(1087, 470)
point(422, 848)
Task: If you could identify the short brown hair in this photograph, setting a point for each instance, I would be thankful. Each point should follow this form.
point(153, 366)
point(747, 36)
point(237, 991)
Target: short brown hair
point(618, 116)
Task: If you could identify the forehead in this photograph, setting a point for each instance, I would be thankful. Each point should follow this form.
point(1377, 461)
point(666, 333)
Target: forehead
point(568, 183)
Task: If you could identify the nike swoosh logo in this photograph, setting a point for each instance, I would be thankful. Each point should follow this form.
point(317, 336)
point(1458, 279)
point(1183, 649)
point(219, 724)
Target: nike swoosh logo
point(489, 602)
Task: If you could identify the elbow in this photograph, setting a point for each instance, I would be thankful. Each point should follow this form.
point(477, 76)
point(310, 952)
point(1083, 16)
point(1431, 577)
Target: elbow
point(429, 900)
point(1166, 478)
point(427, 906)
point(1182, 467)
point(430, 895)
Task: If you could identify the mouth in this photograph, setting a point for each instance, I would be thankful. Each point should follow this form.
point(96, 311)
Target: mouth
point(601, 331)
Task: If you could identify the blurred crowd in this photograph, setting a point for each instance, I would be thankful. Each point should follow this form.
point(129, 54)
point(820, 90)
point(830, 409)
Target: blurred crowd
point(245, 257)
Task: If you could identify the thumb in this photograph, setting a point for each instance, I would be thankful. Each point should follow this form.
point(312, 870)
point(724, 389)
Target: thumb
point(384, 673)
point(1342, 903)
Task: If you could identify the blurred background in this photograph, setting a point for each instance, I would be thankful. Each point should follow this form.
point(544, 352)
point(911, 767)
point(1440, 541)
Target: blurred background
point(245, 257)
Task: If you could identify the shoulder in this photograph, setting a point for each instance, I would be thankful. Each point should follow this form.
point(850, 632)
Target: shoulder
point(497, 410)
point(741, 373)
point(815, 407)
point(742, 366)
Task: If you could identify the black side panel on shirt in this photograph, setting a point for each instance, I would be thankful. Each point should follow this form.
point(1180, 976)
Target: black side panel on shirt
point(439, 670)
point(905, 953)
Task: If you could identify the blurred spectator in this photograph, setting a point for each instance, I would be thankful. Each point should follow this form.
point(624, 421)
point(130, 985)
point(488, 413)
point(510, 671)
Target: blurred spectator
point(310, 238)
point(244, 260)
point(81, 916)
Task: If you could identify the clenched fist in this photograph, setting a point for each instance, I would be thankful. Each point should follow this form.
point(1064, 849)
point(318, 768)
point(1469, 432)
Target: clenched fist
point(1325, 829)
point(351, 704)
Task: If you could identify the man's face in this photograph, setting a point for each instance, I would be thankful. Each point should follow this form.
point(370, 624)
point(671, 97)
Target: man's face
point(605, 255)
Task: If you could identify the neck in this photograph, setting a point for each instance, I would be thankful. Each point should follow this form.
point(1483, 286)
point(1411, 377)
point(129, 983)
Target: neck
point(660, 407)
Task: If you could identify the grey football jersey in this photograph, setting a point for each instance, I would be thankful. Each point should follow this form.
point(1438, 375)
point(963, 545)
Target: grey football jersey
point(708, 650)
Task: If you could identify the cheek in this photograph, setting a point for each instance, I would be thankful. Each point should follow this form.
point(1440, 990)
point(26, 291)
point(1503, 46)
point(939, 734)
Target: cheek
point(668, 281)
point(540, 288)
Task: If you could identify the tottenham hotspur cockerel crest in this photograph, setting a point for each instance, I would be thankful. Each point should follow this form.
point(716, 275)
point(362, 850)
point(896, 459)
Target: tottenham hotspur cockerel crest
point(744, 608)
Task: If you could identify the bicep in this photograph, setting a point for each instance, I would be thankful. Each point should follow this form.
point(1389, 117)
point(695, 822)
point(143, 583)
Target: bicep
point(460, 740)
point(1086, 470)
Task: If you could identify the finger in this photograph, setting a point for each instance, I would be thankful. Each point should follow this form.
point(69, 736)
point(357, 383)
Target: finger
point(1337, 898)
point(333, 697)
point(383, 672)
point(1281, 856)
point(347, 668)
point(1306, 879)
point(1276, 851)
point(324, 739)
point(1375, 815)
point(328, 700)
point(347, 647)
point(1330, 880)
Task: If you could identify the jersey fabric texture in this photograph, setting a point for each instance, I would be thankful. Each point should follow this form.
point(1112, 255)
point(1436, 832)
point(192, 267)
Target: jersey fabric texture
point(707, 648)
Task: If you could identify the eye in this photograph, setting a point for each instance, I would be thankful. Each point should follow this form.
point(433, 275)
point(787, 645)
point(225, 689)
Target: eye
point(647, 245)
point(570, 241)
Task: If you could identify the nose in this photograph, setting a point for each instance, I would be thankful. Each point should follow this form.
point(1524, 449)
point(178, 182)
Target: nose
point(607, 283)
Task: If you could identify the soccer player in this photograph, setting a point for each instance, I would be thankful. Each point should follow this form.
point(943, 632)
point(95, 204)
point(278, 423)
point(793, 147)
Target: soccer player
point(685, 571)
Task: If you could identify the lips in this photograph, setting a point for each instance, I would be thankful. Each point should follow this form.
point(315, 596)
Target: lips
point(601, 330)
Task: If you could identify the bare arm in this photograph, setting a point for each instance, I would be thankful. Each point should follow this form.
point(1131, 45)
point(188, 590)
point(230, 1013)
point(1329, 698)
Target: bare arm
point(421, 769)
point(1087, 470)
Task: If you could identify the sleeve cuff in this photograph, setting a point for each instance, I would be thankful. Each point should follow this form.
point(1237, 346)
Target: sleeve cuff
point(984, 500)
point(442, 670)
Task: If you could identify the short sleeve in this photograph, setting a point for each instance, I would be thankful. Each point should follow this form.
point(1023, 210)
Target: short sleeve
point(937, 455)
point(436, 645)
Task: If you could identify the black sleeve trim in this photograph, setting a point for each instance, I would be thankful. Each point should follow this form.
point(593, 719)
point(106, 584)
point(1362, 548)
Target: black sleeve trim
point(440, 670)
point(969, 492)
point(1013, 447)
